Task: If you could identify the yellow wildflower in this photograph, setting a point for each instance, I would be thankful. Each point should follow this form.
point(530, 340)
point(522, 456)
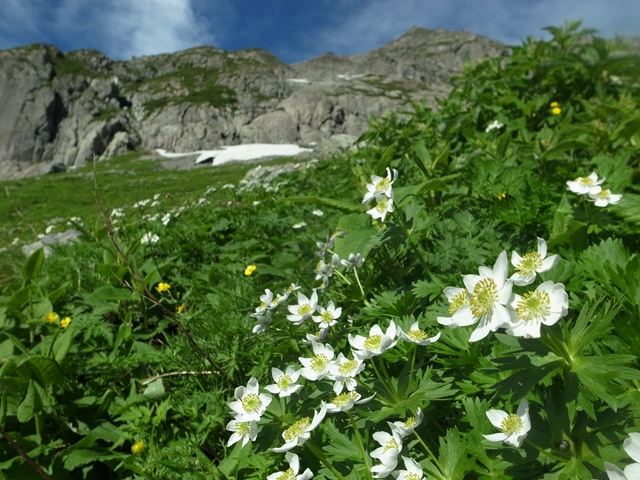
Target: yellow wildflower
point(137, 447)
point(51, 317)
point(556, 110)
point(249, 270)
point(181, 308)
point(554, 104)
point(163, 287)
point(502, 196)
point(65, 322)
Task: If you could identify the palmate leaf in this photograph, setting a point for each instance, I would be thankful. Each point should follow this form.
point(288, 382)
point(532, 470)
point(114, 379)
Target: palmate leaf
point(359, 236)
point(453, 455)
point(340, 447)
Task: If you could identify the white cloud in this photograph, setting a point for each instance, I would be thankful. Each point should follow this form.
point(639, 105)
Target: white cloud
point(370, 24)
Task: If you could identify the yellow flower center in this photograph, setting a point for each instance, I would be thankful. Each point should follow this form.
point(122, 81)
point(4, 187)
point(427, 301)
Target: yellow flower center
point(412, 476)
point(392, 443)
point(287, 475)
point(383, 184)
point(304, 309)
point(251, 403)
point(485, 293)
point(512, 424)
point(297, 429)
point(319, 266)
point(382, 205)
point(604, 193)
point(347, 367)
point(342, 400)
point(458, 300)
point(319, 363)
point(284, 382)
point(584, 181)
point(417, 335)
point(411, 421)
point(528, 264)
point(326, 317)
point(534, 305)
point(262, 306)
point(373, 342)
point(243, 428)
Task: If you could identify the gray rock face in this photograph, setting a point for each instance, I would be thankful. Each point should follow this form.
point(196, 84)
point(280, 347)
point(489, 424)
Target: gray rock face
point(60, 109)
point(61, 238)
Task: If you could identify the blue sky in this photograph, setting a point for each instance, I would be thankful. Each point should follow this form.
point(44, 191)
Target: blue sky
point(293, 30)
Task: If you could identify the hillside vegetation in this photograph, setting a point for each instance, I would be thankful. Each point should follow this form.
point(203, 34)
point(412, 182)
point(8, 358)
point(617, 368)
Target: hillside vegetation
point(420, 343)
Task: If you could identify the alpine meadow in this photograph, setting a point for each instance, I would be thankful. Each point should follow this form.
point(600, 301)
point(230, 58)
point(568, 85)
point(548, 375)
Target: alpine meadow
point(457, 297)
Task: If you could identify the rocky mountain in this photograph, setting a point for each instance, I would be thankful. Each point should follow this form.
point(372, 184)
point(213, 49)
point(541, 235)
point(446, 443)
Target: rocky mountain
point(62, 109)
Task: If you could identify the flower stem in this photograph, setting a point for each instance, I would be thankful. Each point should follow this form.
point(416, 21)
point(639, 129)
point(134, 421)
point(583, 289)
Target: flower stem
point(430, 453)
point(544, 452)
point(383, 380)
point(320, 456)
point(344, 278)
point(365, 455)
point(355, 272)
point(413, 364)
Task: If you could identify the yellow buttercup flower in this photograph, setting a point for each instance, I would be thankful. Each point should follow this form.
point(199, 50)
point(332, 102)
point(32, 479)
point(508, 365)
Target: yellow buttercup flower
point(51, 317)
point(137, 447)
point(502, 196)
point(556, 110)
point(554, 104)
point(163, 287)
point(181, 308)
point(65, 322)
point(249, 270)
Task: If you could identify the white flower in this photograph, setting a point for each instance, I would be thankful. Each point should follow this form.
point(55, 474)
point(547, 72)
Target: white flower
point(346, 401)
point(514, 426)
point(165, 220)
point(328, 316)
point(457, 298)
point(545, 305)
point(263, 321)
point(380, 186)
point(305, 308)
point(493, 126)
point(375, 344)
point(265, 302)
point(299, 225)
point(344, 370)
point(490, 291)
point(387, 453)
point(242, 430)
point(155, 203)
point(292, 472)
point(318, 213)
point(417, 336)
point(584, 185)
point(602, 198)
point(354, 261)
point(41, 235)
point(256, 203)
point(228, 185)
point(532, 262)
point(300, 432)
point(249, 404)
point(413, 471)
point(156, 196)
point(209, 190)
point(407, 427)
point(323, 270)
point(116, 212)
point(15, 241)
point(49, 229)
point(203, 201)
point(285, 382)
point(317, 367)
point(141, 203)
point(384, 206)
point(149, 238)
point(631, 472)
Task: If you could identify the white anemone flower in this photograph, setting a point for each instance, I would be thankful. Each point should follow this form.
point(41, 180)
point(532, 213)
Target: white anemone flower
point(417, 336)
point(344, 370)
point(407, 427)
point(317, 367)
point(489, 291)
point(532, 262)
point(514, 426)
point(298, 433)
point(354, 261)
point(263, 321)
point(384, 206)
point(544, 306)
point(380, 186)
point(250, 404)
point(493, 126)
point(305, 308)
point(375, 344)
point(631, 472)
point(413, 471)
point(166, 219)
point(346, 401)
point(457, 298)
point(265, 302)
point(584, 185)
point(292, 472)
point(149, 238)
point(242, 430)
point(387, 453)
point(328, 316)
point(602, 198)
point(285, 382)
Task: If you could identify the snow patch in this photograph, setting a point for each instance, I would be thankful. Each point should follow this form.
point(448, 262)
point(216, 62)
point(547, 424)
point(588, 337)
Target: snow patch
point(246, 152)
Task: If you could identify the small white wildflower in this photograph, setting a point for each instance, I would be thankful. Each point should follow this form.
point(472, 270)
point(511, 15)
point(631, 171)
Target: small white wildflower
point(584, 185)
point(407, 427)
point(318, 213)
point(256, 203)
point(285, 382)
point(292, 472)
point(346, 401)
point(229, 185)
point(149, 238)
point(417, 336)
point(298, 433)
point(384, 206)
point(49, 229)
point(299, 225)
point(317, 367)
point(602, 198)
point(546, 305)
point(242, 430)
point(380, 186)
point(156, 196)
point(166, 218)
point(514, 426)
point(249, 403)
point(493, 126)
point(375, 344)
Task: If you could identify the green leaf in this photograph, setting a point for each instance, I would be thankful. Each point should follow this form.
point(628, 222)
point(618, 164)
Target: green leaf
point(342, 205)
point(453, 455)
point(35, 400)
point(340, 446)
point(109, 293)
point(155, 390)
point(359, 236)
point(44, 369)
point(33, 265)
point(628, 208)
point(63, 344)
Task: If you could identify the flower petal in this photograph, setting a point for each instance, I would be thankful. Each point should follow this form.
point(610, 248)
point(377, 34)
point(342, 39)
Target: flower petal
point(632, 446)
point(496, 417)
